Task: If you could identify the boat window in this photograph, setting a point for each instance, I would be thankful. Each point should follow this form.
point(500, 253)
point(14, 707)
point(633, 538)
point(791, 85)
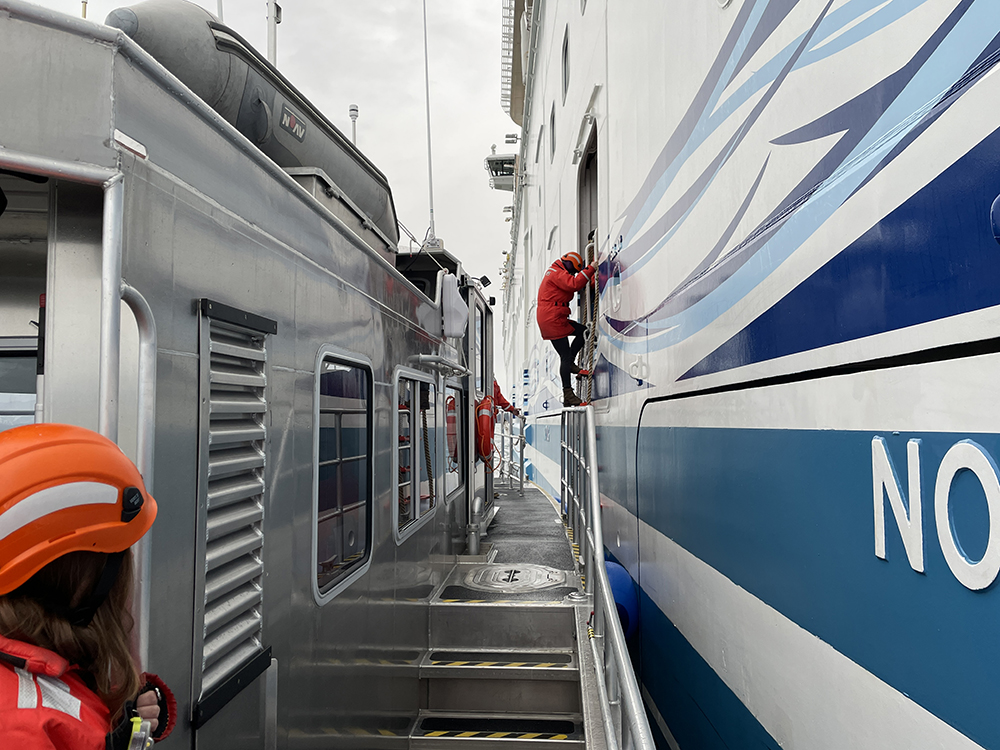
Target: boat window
point(417, 474)
point(454, 474)
point(17, 388)
point(565, 64)
point(480, 365)
point(343, 488)
point(538, 146)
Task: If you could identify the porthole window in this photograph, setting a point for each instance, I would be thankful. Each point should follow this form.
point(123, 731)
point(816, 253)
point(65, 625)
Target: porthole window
point(342, 478)
point(417, 466)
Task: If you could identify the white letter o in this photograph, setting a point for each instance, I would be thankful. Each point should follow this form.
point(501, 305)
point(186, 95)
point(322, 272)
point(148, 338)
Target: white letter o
point(968, 455)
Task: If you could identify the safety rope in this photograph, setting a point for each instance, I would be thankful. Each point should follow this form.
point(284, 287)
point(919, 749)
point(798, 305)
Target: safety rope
point(427, 451)
point(593, 303)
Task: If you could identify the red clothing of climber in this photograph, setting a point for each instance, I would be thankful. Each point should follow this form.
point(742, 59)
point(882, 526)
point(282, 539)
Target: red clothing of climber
point(499, 402)
point(564, 278)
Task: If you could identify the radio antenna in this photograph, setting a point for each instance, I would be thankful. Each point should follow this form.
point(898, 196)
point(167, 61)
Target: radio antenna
point(427, 93)
point(273, 19)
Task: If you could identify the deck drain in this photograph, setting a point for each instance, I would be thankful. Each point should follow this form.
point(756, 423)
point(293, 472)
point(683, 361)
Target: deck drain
point(514, 579)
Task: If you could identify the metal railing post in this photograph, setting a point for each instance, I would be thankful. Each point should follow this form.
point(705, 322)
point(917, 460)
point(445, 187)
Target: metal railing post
point(510, 449)
point(520, 462)
point(588, 511)
point(624, 715)
point(562, 467)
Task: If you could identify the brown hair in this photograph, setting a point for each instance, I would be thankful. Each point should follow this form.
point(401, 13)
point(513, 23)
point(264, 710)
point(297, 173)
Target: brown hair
point(101, 648)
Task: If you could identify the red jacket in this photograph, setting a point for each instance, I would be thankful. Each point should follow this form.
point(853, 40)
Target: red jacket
point(499, 402)
point(44, 703)
point(554, 294)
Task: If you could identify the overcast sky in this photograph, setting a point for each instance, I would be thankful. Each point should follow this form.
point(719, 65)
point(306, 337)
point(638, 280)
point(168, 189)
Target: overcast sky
point(370, 53)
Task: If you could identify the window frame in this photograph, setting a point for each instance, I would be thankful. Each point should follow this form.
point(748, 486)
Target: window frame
point(341, 356)
point(401, 535)
point(461, 436)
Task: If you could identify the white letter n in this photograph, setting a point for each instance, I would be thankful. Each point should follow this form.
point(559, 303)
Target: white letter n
point(910, 523)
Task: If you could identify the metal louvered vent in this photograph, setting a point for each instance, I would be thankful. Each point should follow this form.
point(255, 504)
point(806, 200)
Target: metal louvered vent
point(231, 509)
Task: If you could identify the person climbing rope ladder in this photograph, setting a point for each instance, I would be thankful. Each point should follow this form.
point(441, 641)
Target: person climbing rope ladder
point(565, 277)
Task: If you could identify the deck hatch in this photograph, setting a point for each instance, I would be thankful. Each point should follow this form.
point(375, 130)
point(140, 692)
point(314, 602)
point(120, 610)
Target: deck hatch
point(233, 454)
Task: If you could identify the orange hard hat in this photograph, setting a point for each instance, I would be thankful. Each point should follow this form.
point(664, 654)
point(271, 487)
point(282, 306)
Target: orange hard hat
point(574, 259)
point(65, 489)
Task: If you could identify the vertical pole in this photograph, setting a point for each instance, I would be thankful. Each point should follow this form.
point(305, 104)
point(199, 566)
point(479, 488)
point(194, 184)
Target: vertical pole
point(353, 112)
point(510, 450)
point(591, 553)
point(272, 32)
point(520, 457)
point(83, 9)
point(111, 301)
point(219, 14)
point(40, 363)
point(427, 94)
point(563, 466)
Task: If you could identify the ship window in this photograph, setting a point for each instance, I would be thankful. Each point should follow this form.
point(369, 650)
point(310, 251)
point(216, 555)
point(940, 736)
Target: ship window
point(454, 475)
point(538, 146)
point(480, 359)
point(417, 473)
point(552, 133)
point(17, 387)
point(343, 471)
point(565, 64)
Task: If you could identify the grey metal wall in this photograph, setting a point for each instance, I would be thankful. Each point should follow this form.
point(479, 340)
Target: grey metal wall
point(204, 218)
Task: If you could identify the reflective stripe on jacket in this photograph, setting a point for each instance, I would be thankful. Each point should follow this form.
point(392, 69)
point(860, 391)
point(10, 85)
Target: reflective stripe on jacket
point(44, 703)
point(554, 294)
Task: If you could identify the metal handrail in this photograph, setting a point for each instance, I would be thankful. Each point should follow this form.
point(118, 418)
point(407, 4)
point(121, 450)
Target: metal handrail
point(113, 291)
point(511, 449)
point(621, 704)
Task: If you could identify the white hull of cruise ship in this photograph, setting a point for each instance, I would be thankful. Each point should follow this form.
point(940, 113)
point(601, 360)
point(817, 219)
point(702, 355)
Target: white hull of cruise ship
point(797, 349)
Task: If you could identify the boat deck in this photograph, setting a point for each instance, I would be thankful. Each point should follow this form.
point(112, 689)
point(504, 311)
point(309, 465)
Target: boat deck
point(527, 556)
point(529, 529)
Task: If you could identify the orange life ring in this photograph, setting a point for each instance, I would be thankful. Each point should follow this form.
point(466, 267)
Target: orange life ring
point(484, 428)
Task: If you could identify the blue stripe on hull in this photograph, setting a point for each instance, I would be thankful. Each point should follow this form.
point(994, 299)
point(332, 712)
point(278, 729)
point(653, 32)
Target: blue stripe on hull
point(931, 258)
point(701, 712)
point(787, 515)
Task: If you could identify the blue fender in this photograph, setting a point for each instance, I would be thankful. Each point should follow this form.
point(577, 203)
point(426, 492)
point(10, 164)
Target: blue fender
point(626, 600)
point(995, 218)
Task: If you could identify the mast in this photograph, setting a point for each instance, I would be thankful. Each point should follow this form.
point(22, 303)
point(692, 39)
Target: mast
point(427, 93)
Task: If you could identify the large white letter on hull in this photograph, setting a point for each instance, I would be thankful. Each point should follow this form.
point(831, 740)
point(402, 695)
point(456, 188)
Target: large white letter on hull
point(910, 523)
point(967, 455)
